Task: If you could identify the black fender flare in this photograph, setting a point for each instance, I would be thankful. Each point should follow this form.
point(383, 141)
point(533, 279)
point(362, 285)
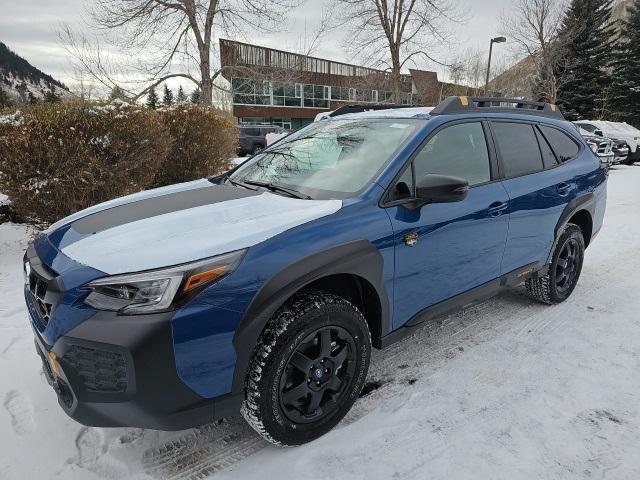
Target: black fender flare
point(586, 201)
point(360, 258)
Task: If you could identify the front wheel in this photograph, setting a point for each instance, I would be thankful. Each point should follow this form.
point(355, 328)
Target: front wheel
point(308, 369)
point(564, 270)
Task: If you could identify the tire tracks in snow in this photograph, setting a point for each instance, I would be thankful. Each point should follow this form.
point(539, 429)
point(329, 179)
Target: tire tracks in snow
point(203, 451)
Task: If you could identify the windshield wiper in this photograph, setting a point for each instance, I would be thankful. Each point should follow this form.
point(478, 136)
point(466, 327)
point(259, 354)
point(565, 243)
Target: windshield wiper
point(278, 188)
point(237, 184)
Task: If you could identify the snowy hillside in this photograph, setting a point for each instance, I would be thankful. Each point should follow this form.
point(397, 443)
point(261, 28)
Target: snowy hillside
point(508, 389)
point(21, 81)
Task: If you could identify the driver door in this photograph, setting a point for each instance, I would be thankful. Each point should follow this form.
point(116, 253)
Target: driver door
point(445, 249)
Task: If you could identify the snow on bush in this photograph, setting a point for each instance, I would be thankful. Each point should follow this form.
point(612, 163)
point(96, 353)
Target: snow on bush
point(59, 158)
point(12, 119)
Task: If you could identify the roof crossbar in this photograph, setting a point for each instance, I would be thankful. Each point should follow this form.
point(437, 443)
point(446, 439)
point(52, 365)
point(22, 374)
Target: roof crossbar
point(458, 105)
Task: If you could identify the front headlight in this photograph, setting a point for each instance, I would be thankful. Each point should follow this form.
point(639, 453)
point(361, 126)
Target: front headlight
point(159, 290)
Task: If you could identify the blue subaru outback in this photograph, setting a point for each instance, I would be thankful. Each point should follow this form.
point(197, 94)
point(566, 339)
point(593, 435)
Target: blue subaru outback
point(262, 291)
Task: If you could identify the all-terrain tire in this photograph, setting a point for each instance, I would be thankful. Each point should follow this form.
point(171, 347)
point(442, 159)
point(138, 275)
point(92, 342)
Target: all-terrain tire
point(290, 327)
point(545, 288)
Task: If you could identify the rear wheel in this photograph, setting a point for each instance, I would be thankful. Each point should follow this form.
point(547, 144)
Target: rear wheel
point(564, 271)
point(308, 369)
point(256, 149)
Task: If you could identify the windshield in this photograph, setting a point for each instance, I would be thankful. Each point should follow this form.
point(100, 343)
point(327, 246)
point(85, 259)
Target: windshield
point(329, 159)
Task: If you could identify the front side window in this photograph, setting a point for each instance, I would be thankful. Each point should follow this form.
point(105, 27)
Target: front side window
point(329, 159)
point(518, 147)
point(562, 144)
point(457, 151)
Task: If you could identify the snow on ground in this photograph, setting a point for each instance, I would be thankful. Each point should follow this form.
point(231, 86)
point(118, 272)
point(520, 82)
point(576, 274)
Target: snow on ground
point(507, 389)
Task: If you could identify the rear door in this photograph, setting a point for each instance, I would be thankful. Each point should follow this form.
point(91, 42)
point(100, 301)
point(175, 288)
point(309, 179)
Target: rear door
point(539, 188)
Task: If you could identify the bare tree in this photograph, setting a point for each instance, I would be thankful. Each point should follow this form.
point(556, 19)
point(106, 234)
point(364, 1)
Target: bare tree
point(395, 33)
point(167, 39)
point(534, 25)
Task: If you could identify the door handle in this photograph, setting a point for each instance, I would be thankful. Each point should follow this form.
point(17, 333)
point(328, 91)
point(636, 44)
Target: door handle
point(563, 189)
point(497, 208)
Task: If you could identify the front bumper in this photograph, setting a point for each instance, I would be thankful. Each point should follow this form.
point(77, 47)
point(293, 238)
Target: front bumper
point(116, 371)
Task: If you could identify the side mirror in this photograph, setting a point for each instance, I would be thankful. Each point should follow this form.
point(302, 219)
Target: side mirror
point(441, 189)
point(599, 133)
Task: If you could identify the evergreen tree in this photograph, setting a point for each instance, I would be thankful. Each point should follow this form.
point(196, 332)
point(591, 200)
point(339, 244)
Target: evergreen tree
point(32, 99)
point(181, 97)
point(152, 98)
point(51, 96)
point(117, 93)
point(625, 90)
point(195, 96)
point(585, 43)
point(5, 101)
point(22, 91)
point(167, 96)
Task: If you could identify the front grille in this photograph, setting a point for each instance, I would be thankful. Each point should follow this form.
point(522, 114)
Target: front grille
point(38, 288)
point(100, 370)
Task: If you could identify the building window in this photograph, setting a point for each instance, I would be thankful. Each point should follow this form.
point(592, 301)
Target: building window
point(374, 96)
point(285, 95)
point(340, 93)
point(282, 122)
point(352, 94)
point(249, 92)
point(405, 98)
point(314, 96)
point(298, 90)
point(385, 97)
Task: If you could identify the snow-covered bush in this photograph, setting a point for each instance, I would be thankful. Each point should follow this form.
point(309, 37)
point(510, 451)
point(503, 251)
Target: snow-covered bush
point(203, 141)
point(58, 158)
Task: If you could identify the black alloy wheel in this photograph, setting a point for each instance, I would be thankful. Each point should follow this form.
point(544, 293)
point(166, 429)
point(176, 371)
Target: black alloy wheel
point(567, 265)
point(317, 374)
point(308, 368)
point(563, 272)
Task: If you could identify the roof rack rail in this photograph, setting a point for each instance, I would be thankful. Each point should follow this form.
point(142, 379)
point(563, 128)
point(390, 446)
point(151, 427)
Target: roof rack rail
point(357, 108)
point(457, 105)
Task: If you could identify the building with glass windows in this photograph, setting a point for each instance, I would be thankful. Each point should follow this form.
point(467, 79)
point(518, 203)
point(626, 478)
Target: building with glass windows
point(288, 89)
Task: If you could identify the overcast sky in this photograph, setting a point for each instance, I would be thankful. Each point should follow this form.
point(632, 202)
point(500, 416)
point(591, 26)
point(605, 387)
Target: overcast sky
point(29, 28)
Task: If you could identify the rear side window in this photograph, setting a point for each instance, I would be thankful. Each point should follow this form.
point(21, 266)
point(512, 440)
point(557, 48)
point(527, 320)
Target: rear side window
point(518, 147)
point(562, 144)
point(252, 132)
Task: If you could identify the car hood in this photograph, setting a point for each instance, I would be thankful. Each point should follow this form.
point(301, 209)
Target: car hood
point(178, 224)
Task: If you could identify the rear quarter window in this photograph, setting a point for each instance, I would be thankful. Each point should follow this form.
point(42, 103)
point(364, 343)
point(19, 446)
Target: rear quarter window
point(518, 148)
point(563, 145)
point(548, 157)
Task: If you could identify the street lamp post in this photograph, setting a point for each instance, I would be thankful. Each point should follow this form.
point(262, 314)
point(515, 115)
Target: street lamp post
point(493, 40)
